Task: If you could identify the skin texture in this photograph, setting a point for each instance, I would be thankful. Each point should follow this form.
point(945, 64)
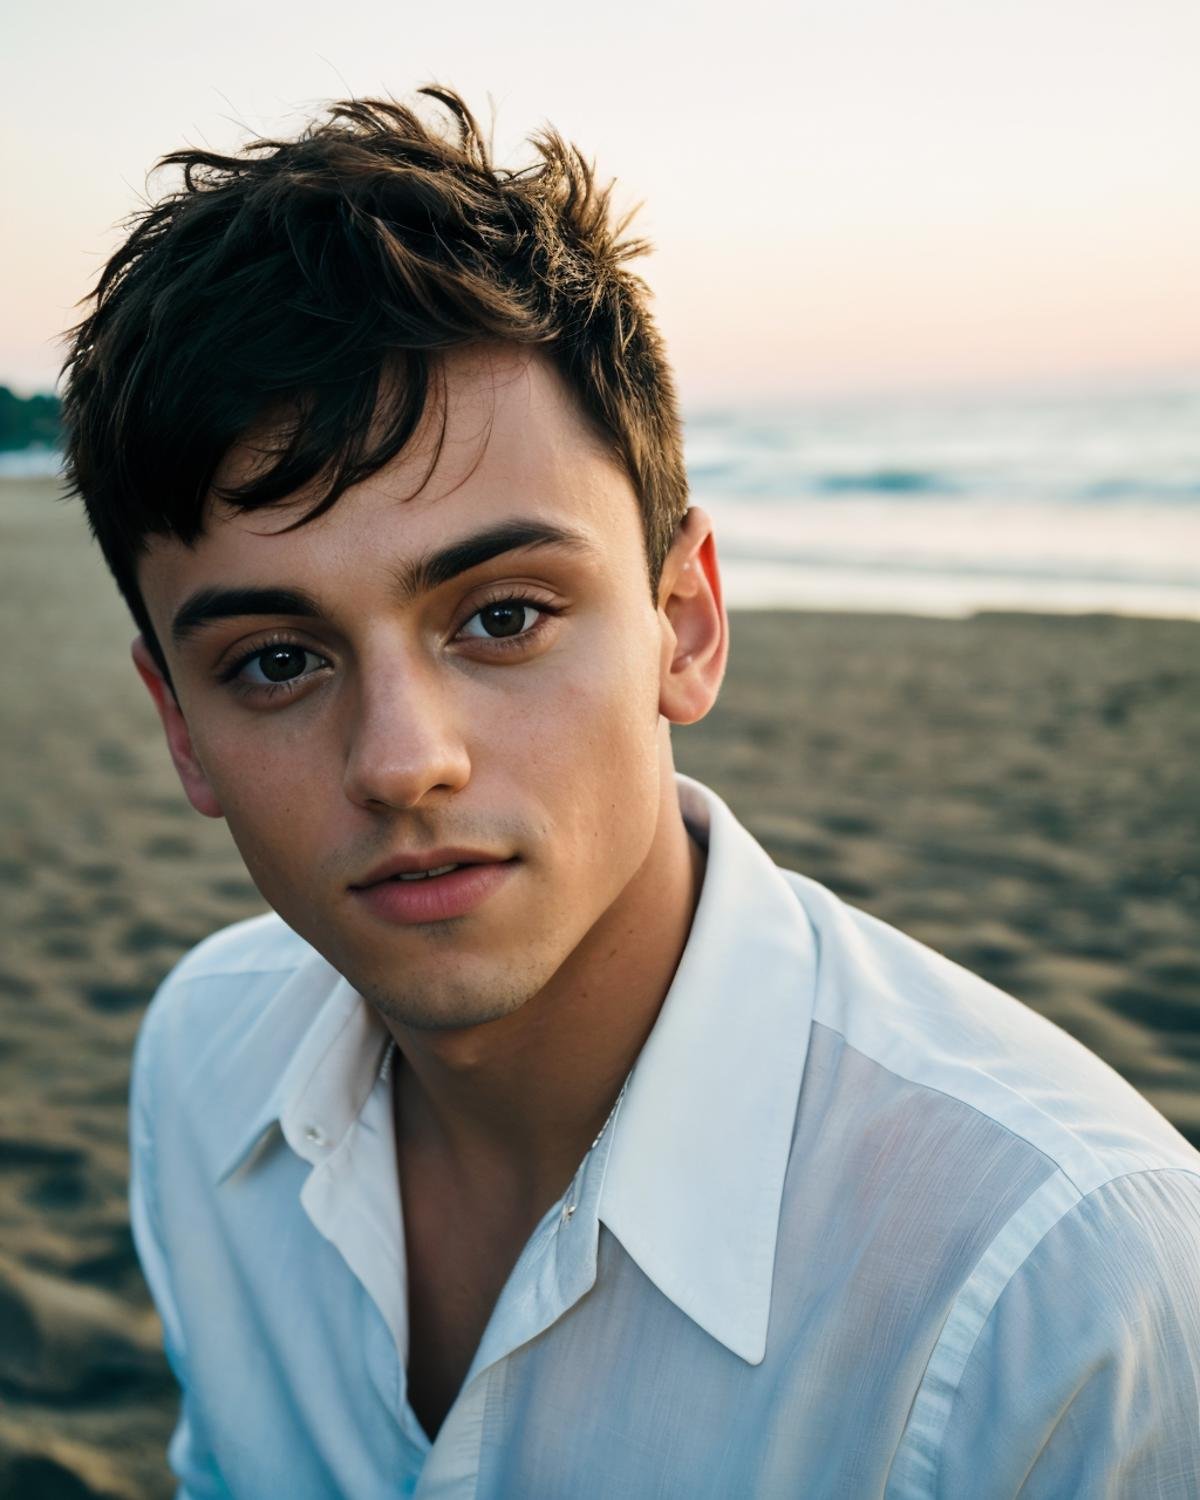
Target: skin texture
point(410, 730)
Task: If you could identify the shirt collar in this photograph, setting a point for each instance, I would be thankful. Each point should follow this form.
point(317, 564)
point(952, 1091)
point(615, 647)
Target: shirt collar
point(323, 1047)
point(694, 1180)
point(694, 1177)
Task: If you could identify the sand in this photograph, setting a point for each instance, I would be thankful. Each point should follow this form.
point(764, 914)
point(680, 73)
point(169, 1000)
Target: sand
point(1021, 792)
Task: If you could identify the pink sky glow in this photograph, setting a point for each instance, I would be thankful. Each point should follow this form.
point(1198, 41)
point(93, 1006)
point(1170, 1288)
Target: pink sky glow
point(844, 196)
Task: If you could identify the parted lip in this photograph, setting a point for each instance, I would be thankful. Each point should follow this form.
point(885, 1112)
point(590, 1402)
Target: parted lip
point(410, 864)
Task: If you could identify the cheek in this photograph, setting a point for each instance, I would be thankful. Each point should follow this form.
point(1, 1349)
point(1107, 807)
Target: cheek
point(592, 704)
point(270, 794)
point(590, 751)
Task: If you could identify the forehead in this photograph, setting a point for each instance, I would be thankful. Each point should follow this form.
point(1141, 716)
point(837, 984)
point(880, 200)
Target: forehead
point(502, 438)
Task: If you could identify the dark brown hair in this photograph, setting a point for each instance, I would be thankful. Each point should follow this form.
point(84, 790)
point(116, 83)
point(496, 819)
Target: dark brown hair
point(318, 278)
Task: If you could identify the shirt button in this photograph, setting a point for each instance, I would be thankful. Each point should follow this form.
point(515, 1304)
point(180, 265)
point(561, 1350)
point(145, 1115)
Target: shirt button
point(314, 1134)
point(568, 1210)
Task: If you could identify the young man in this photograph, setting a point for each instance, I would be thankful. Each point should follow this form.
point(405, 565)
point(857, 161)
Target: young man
point(549, 1141)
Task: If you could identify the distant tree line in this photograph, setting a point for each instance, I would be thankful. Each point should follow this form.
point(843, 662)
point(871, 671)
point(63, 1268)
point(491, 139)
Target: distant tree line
point(28, 421)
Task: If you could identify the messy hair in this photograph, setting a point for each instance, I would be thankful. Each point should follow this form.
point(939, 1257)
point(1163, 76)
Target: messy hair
point(312, 282)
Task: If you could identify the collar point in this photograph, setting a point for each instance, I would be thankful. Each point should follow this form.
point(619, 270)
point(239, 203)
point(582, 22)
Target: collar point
point(749, 1344)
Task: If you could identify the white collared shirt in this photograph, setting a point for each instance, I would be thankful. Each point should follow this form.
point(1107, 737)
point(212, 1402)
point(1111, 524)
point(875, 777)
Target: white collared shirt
point(862, 1226)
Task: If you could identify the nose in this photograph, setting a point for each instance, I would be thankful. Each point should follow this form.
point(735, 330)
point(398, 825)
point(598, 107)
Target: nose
point(403, 743)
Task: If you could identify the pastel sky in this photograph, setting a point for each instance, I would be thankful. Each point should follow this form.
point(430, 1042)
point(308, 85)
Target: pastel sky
point(845, 195)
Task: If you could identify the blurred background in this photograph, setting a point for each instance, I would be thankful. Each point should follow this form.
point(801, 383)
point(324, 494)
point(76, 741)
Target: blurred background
point(928, 277)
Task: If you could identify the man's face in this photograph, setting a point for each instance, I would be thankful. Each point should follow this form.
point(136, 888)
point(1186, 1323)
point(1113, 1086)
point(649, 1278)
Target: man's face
point(406, 709)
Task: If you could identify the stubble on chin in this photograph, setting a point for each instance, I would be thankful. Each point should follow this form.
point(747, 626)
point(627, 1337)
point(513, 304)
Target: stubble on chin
point(446, 1002)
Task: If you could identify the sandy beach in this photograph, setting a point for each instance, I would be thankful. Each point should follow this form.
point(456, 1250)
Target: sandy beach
point(1021, 792)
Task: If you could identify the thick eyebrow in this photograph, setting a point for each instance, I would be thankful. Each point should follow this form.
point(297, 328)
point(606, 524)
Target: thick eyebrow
point(421, 576)
point(207, 605)
point(436, 568)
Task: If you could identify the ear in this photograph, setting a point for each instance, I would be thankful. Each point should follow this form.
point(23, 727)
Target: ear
point(695, 632)
point(179, 740)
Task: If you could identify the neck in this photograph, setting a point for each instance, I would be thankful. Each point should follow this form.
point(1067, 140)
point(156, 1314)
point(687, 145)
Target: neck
point(519, 1100)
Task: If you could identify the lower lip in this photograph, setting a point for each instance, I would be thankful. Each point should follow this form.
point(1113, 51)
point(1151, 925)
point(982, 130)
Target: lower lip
point(437, 898)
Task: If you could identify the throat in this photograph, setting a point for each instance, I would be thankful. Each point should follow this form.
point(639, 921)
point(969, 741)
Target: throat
point(460, 1249)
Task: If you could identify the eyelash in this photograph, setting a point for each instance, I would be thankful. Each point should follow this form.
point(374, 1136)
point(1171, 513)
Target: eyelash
point(544, 610)
point(228, 675)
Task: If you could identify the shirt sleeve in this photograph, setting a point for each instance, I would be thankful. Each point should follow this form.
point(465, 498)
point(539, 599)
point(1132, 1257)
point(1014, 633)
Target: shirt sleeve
point(189, 1455)
point(1085, 1378)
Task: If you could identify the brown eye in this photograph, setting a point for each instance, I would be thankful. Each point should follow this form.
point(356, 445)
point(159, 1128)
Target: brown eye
point(501, 619)
point(281, 663)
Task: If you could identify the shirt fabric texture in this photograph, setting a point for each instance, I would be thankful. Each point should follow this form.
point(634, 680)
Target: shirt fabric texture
point(861, 1226)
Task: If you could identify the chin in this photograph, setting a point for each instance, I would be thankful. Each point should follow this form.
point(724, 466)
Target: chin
point(449, 979)
point(447, 992)
point(439, 1009)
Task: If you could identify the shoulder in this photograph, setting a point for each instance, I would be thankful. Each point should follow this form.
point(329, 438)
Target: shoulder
point(218, 975)
point(220, 983)
point(958, 1040)
point(1090, 1267)
point(1046, 1211)
point(225, 1022)
point(1070, 1362)
point(263, 944)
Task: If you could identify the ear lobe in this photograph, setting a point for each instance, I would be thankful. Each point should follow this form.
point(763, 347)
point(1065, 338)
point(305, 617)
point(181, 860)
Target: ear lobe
point(179, 740)
point(695, 629)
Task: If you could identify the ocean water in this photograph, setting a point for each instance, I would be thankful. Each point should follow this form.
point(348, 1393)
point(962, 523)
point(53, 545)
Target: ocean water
point(29, 463)
point(1064, 502)
point(1075, 502)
